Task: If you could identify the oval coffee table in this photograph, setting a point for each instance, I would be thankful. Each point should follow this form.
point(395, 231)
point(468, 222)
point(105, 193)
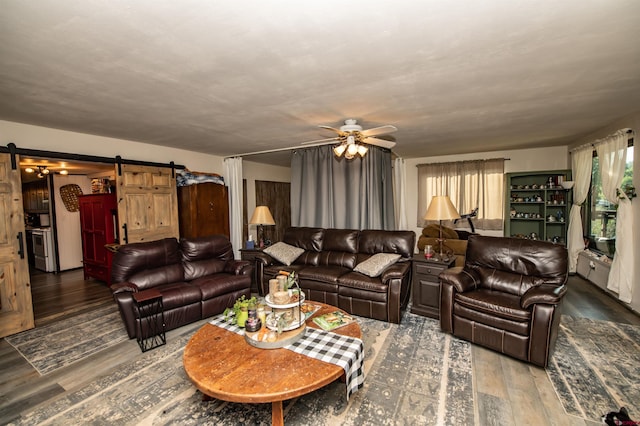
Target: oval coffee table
point(221, 364)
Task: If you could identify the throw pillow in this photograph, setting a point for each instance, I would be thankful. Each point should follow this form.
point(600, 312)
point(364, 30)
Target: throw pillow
point(284, 253)
point(377, 263)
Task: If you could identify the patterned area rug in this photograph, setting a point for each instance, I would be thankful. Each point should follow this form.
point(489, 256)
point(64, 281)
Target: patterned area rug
point(414, 375)
point(62, 343)
point(595, 368)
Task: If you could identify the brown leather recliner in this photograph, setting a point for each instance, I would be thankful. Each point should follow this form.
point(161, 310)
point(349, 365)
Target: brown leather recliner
point(507, 297)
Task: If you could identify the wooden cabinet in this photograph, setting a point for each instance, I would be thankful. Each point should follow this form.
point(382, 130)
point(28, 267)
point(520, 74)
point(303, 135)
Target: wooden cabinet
point(35, 196)
point(425, 285)
point(537, 207)
point(98, 216)
point(203, 209)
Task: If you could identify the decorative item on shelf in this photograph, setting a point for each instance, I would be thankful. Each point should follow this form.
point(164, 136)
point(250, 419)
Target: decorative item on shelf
point(261, 216)
point(441, 208)
point(567, 184)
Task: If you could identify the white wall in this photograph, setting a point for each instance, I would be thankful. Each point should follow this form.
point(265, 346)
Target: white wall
point(521, 160)
point(68, 223)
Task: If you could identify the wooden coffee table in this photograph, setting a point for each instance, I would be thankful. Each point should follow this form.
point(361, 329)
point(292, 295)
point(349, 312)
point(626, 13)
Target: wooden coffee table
point(223, 365)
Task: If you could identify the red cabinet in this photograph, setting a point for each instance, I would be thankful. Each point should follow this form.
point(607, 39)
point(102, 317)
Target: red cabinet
point(98, 225)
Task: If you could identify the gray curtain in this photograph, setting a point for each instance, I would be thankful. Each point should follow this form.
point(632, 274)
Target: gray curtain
point(330, 192)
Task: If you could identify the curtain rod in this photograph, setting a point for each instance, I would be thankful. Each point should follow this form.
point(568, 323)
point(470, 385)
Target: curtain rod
point(593, 144)
point(463, 161)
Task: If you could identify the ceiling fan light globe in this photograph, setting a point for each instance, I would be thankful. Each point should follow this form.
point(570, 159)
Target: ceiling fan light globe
point(352, 149)
point(339, 150)
point(348, 156)
point(362, 150)
point(45, 171)
point(29, 170)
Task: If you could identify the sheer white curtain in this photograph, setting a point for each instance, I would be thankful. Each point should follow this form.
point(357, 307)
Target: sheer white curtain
point(581, 163)
point(612, 156)
point(233, 180)
point(399, 192)
point(469, 184)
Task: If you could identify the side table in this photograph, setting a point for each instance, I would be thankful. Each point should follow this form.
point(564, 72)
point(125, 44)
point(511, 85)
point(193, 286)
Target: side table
point(250, 255)
point(425, 285)
point(149, 312)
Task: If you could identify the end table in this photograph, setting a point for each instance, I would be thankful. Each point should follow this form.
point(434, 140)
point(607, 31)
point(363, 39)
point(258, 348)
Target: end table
point(149, 310)
point(425, 285)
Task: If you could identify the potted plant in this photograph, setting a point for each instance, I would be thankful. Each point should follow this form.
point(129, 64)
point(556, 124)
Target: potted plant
point(238, 314)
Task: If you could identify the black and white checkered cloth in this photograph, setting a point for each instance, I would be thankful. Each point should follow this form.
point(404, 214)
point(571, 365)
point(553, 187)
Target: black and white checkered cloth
point(346, 352)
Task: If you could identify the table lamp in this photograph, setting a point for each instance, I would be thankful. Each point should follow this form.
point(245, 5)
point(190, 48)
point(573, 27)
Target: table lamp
point(261, 216)
point(441, 208)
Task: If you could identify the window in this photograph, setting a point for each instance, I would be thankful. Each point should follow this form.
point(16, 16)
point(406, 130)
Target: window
point(470, 185)
point(601, 218)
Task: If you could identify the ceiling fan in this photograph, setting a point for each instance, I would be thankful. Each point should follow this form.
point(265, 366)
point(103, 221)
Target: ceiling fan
point(353, 140)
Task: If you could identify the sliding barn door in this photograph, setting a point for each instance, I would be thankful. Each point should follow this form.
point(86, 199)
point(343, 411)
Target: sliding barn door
point(147, 203)
point(16, 309)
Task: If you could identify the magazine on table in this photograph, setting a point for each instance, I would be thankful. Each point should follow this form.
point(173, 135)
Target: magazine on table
point(333, 320)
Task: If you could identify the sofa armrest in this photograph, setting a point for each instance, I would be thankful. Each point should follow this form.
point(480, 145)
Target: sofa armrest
point(545, 293)
point(124, 287)
point(462, 280)
point(264, 258)
point(397, 270)
point(238, 267)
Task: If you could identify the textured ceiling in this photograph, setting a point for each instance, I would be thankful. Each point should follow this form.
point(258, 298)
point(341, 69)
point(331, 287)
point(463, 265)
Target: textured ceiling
point(230, 77)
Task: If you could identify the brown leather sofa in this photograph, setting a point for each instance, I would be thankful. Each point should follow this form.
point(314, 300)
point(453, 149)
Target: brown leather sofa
point(325, 269)
point(197, 278)
point(507, 297)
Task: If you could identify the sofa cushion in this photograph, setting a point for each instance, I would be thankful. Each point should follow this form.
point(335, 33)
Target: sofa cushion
point(377, 263)
point(328, 274)
point(494, 303)
point(374, 241)
point(205, 248)
point(202, 268)
point(306, 238)
point(355, 280)
point(219, 284)
point(178, 294)
point(137, 258)
point(284, 253)
point(149, 278)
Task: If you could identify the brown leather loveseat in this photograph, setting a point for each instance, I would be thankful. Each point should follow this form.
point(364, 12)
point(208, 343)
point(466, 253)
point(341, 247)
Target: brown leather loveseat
point(326, 269)
point(197, 278)
point(507, 297)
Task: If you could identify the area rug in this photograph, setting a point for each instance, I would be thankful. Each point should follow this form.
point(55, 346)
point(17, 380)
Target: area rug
point(414, 374)
point(62, 343)
point(595, 368)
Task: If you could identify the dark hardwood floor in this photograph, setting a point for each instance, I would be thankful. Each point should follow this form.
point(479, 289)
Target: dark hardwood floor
point(57, 296)
point(522, 391)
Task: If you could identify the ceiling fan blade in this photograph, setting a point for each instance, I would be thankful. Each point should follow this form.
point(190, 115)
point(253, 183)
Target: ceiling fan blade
point(380, 142)
point(338, 131)
point(320, 141)
point(382, 130)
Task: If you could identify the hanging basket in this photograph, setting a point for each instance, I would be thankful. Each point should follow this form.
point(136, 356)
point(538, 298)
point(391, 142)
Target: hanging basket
point(69, 194)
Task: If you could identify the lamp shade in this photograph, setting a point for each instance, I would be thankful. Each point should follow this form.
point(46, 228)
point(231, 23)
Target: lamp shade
point(441, 208)
point(262, 216)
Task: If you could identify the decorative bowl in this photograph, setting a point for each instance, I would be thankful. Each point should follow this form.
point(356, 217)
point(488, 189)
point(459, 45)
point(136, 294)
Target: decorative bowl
point(567, 184)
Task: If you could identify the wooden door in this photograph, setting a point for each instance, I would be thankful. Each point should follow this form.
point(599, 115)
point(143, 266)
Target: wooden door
point(276, 196)
point(16, 309)
point(147, 203)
